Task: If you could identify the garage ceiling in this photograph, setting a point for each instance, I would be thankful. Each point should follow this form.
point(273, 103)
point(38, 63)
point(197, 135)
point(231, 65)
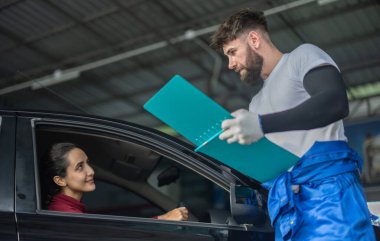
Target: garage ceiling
point(108, 57)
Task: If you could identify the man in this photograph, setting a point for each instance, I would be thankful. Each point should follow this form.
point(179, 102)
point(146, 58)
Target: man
point(300, 108)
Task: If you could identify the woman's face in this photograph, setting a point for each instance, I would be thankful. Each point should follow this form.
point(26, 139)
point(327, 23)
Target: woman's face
point(79, 175)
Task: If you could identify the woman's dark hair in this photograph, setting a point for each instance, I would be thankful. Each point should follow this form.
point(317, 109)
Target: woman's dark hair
point(55, 163)
point(237, 24)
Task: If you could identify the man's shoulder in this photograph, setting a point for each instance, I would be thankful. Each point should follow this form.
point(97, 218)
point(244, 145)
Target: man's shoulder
point(304, 48)
point(308, 56)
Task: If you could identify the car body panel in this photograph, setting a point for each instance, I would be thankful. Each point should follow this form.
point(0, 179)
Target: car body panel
point(7, 185)
point(21, 216)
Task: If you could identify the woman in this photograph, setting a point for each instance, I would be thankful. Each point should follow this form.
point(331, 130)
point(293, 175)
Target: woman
point(70, 175)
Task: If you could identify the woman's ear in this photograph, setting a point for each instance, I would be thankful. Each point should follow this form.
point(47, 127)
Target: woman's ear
point(59, 181)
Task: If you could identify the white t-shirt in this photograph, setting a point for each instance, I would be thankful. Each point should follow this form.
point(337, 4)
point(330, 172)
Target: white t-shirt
point(284, 89)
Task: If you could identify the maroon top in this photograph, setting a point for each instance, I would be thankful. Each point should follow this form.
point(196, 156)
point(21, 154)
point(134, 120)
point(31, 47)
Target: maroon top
point(64, 203)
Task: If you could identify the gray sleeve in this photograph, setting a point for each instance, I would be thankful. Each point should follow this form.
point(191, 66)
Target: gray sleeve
point(327, 103)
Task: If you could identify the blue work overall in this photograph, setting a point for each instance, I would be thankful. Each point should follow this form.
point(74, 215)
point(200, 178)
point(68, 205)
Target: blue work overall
point(321, 198)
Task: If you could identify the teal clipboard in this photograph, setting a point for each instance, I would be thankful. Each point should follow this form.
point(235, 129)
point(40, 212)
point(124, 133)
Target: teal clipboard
point(198, 118)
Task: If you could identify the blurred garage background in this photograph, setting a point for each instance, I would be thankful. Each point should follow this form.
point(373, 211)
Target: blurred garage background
point(108, 57)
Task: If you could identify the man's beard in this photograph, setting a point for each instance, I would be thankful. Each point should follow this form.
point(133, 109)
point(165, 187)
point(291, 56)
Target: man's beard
point(253, 68)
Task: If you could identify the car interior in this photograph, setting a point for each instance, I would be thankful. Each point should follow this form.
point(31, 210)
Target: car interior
point(133, 180)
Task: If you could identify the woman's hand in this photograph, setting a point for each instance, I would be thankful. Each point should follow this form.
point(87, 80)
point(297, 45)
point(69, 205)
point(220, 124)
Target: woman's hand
point(178, 214)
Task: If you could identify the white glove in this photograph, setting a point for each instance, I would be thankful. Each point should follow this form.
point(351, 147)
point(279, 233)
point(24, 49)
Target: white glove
point(245, 128)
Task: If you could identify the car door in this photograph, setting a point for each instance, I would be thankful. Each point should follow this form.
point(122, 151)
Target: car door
point(37, 224)
point(7, 141)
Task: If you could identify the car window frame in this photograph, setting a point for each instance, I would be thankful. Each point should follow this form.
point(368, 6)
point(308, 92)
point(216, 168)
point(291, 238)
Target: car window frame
point(87, 127)
point(30, 215)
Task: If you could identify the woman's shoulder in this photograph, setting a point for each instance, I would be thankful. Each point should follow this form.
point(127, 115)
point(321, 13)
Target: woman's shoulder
point(64, 203)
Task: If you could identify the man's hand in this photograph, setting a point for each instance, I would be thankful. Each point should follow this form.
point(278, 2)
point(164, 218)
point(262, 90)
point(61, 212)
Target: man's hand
point(245, 128)
point(178, 214)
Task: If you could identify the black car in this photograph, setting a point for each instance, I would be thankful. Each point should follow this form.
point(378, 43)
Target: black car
point(140, 173)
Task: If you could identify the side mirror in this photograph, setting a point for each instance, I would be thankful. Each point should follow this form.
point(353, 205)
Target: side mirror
point(168, 176)
point(246, 205)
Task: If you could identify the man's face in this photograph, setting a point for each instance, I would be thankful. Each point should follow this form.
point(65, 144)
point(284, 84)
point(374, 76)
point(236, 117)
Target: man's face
point(244, 60)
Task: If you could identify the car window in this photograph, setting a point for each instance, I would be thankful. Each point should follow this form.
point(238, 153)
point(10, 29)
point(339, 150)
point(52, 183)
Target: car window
point(114, 200)
point(134, 180)
point(188, 188)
